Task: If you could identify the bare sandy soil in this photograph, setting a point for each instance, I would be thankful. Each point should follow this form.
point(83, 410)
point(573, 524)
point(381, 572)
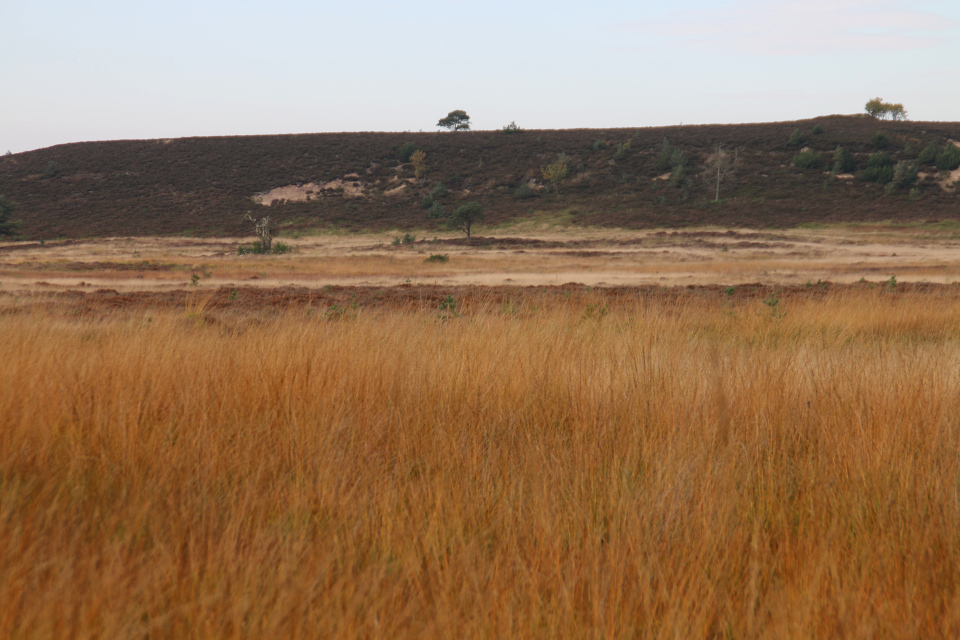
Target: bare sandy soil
point(497, 257)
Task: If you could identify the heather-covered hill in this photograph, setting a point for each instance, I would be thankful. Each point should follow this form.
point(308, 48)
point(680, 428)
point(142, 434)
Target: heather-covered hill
point(357, 180)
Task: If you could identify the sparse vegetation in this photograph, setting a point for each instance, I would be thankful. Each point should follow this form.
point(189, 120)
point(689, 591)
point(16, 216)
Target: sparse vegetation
point(524, 192)
point(555, 173)
point(512, 128)
point(419, 161)
point(438, 257)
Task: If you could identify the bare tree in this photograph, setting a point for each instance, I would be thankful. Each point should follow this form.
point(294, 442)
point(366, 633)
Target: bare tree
point(262, 231)
point(720, 163)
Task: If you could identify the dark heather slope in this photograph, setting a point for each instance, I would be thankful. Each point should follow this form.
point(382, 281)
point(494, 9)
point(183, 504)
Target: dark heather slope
point(205, 185)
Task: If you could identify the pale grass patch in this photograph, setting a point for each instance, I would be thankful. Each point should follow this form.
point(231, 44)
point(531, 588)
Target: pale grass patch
point(701, 468)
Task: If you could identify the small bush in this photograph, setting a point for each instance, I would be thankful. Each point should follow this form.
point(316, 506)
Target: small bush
point(436, 211)
point(438, 257)
point(817, 130)
point(280, 248)
point(904, 174)
point(406, 150)
point(843, 161)
point(524, 192)
point(670, 158)
point(600, 144)
point(439, 190)
point(678, 177)
point(929, 154)
point(880, 140)
point(51, 170)
point(796, 138)
point(512, 128)
point(409, 238)
point(255, 249)
point(622, 150)
point(879, 160)
point(949, 158)
point(808, 160)
point(880, 175)
point(427, 202)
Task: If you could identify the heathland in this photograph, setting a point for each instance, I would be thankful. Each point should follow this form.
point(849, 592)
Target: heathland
point(624, 178)
point(576, 425)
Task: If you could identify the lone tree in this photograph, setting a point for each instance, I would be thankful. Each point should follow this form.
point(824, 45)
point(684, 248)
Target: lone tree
point(465, 216)
point(455, 121)
point(555, 173)
point(264, 235)
point(720, 163)
point(8, 227)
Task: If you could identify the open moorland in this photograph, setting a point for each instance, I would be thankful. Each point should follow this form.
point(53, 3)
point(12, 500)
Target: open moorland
point(705, 433)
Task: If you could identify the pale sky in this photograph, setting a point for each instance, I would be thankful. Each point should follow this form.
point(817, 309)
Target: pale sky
point(109, 69)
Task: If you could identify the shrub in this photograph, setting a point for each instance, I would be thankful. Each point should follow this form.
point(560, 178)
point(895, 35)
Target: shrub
point(949, 158)
point(817, 130)
point(880, 140)
point(678, 177)
point(409, 238)
point(280, 248)
point(8, 226)
point(904, 174)
point(427, 202)
point(512, 128)
point(600, 144)
point(670, 157)
point(465, 216)
point(438, 257)
point(929, 154)
point(523, 192)
point(436, 211)
point(51, 170)
point(439, 190)
point(257, 248)
point(622, 150)
point(879, 160)
point(406, 150)
point(881, 175)
point(843, 161)
point(796, 138)
point(808, 160)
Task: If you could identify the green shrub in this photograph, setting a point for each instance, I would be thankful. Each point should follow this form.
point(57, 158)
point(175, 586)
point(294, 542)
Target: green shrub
point(880, 140)
point(409, 238)
point(622, 150)
point(929, 154)
point(523, 192)
point(436, 211)
point(8, 226)
point(600, 144)
point(881, 175)
point(51, 170)
point(905, 174)
point(512, 128)
point(427, 202)
point(808, 160)
point(406, 150)
point(796, 138)
point(949, 158)
point(843, 161)
point(280, 248)
point(439, 190)
point(256, 249)
point(678, 177)
point(879, 160)
point(670, 158)
point(438, 257)
point(817, 130)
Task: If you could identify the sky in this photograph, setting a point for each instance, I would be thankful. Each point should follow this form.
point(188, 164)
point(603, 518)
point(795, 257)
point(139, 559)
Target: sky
point(109, 69)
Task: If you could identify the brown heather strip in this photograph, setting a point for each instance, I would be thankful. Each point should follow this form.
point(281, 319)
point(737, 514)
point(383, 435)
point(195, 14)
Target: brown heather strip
point(689, 465)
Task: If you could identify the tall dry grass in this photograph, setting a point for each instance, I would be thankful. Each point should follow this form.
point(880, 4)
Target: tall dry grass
point(545, 469)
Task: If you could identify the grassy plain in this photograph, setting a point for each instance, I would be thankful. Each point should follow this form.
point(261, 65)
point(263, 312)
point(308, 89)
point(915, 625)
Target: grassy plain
point(562, 462)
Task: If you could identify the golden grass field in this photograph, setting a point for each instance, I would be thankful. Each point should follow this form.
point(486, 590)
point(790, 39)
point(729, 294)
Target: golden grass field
point(545, 463)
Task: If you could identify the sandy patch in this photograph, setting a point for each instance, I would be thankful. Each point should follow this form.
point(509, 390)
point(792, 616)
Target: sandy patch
point(349, 185)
